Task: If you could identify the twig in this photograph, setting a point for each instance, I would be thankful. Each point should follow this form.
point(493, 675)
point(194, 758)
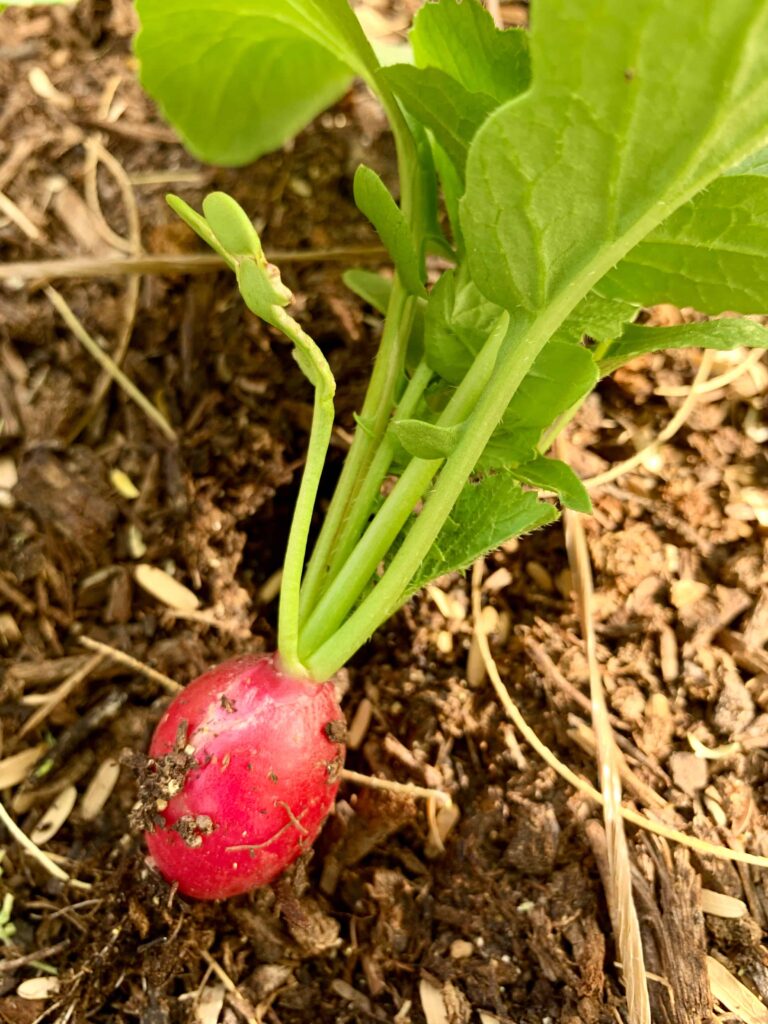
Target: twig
point(97, 153)
point(666, 434)
point(721, 381)
point(24, 841)
point(619, 879)
point(243, 1005)
point(19, 218)
point(166, 263)
point(60, 694)
point(404, 788)
point(106, 361)
point(168, 684)
point(529, 735)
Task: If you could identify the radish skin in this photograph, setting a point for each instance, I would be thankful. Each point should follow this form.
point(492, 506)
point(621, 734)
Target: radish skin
point(244, 768)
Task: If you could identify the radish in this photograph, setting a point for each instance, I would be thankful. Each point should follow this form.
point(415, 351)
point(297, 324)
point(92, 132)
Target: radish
point(244, 768)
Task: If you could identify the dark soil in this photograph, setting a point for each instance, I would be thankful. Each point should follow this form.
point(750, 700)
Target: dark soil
point(509, 921)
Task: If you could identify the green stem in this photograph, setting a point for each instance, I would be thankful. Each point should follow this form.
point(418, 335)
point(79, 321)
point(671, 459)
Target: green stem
point(387, 368)
point(387, 595)
point(378, 469)
point(375, 414)
point(313, 364)
point(360, 566)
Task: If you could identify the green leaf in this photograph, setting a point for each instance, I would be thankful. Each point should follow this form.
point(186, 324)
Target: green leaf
point(486, 514)
point(452, 186)
point(722, 335)
point(375, 201)
point(238, 80)
point(441, 104)
point(599, 318)
point(755, 163)
point(370, 287)
point(711, 254)
point(231, 225)
point(461, 39)
point(426, 440)
point(457, 324)
point(554, 475)
point(199, 225)
point(592, 165)
point(562, 375)
point(508, 448)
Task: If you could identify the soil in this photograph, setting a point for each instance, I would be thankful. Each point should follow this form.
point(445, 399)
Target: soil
point(404, 913)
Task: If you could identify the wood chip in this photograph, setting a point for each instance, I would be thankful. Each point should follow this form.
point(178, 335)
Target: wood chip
point(351, 995)
point(208, 1007)
point(99, 789)
point(46, 90)
point(54, 817)
point(360, 724)
point(160, 585)
point(38, 988)
point(442, 600)
point(433, 1003)
point(685, 592)
point(498, 580)
point(720, 905)
point(734, 996)
point(123, 484)
point(9, 475)
point(461, 949)
point(15, 769)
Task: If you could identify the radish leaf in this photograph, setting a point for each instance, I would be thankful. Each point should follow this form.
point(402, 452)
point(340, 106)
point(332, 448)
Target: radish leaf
point(487, 514)
point(375, 201)
point(426, 440)
point(440, 103)
point(722, 335)
point(461, 39)
point(554, 475)
point(592, 166)
point(238, 80)
point(711, 254)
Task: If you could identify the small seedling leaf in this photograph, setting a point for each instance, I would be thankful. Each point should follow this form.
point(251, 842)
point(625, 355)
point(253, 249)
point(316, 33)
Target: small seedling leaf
point(462, 40)
point(562, 375)
point(486, 514)
point(441, 104)
point(231, 225)
point(554, 475)
point(260, 290)
point(599, 318)
point(458, 321)
point(722, 335)
point(199, 225)
point(426, 440)
point(375, 201)
point(371, 288)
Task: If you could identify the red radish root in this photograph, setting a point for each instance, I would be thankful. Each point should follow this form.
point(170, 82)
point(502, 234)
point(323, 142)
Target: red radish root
point(246, 763)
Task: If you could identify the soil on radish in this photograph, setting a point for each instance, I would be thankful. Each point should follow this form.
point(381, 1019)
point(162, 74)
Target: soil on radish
point(506, 913)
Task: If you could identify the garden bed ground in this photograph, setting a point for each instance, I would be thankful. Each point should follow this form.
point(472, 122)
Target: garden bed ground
point(510, 920)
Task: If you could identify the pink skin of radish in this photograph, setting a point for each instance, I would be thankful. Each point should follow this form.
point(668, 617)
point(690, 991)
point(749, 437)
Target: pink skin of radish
point(261, 758)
